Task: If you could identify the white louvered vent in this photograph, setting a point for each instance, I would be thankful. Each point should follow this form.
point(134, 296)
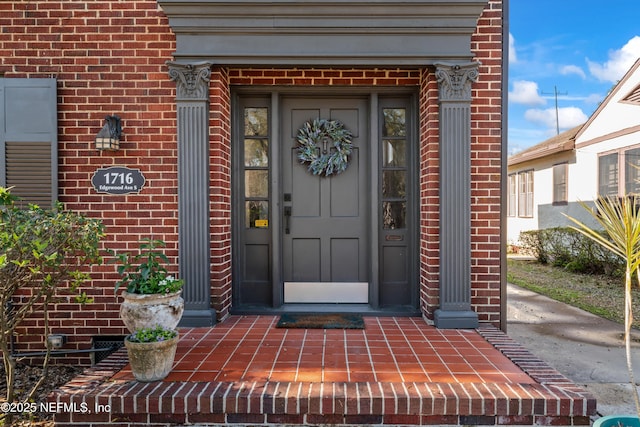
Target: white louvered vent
point(634, 96)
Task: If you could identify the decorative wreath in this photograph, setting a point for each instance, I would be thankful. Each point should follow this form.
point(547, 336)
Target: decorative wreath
point(325, 145)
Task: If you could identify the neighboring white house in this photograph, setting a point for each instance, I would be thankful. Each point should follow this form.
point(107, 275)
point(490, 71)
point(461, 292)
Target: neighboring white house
point(600, 157)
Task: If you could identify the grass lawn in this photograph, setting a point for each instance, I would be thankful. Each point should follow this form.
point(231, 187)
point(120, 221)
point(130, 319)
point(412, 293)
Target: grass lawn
point(600, 295)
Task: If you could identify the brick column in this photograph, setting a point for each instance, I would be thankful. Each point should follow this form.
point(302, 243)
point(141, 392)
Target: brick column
point(454, 82)
point(192, 98)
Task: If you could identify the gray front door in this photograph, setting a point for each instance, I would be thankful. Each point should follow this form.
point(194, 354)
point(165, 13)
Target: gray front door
point(325, 244)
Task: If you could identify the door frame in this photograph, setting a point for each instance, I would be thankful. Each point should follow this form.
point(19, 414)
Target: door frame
point(275, 95)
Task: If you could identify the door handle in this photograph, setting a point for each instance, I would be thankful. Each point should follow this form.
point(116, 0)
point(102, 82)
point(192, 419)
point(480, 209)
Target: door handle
point(287, 217)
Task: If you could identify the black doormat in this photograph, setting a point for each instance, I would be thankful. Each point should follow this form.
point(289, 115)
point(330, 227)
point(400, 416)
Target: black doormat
point(321, 321)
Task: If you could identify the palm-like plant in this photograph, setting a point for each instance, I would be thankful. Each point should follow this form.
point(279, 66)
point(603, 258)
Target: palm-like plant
point(619, 218)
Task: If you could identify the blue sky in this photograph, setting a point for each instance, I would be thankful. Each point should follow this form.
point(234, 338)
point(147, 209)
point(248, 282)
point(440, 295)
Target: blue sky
point(579, 48)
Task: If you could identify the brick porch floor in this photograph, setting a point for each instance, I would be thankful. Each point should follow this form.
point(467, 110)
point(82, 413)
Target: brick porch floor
point(397, 371)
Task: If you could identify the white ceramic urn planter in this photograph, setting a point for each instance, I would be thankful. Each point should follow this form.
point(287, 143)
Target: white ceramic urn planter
point(140, 311)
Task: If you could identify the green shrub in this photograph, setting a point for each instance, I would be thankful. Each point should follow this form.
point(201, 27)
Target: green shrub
point(42, 252)
point(567, 248)
point(532, 244)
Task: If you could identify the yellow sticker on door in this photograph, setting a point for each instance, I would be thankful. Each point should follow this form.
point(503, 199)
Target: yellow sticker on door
point(261, 223)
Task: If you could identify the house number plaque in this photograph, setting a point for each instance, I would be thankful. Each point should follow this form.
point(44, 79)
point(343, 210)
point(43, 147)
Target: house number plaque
point(118, 180)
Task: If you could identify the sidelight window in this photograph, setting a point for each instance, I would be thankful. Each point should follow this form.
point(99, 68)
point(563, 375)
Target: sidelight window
point(256, 167)
point(394, 168)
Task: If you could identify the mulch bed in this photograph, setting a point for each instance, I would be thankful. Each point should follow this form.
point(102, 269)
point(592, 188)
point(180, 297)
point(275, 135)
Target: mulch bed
point(26, 377)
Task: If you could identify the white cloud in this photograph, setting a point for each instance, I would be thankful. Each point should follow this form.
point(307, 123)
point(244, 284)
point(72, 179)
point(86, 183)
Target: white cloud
point(514, 149)
point(620, 61)
point(594, 98)
point(568, 117)
point(522, 136)
point(526, 93)
point(573, 69)
point(513, 58)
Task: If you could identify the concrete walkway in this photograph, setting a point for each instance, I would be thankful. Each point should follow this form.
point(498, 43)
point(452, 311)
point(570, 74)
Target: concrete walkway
point(587, 349)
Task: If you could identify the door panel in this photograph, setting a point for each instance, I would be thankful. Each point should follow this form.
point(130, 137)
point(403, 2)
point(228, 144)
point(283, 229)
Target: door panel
point(305, 189)
point(304, 255)
point(345, 258)
point(326, 248)
point(345, 194)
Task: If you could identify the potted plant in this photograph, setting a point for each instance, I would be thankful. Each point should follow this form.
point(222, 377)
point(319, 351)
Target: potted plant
point(152, 296)
point(619, 218)
point(151, 352)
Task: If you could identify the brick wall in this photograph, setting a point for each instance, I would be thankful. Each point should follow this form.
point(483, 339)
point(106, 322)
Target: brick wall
point(486, 166)
point(109, 58)
point(220, 172)
point(325, 77)
point(486, 142)
point(429, 195)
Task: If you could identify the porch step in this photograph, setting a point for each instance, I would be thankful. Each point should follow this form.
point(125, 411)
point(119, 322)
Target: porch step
point(544, 398)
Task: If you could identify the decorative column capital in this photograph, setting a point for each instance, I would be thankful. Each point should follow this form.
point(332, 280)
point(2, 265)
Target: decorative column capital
point(454, 80)
point(192, 80)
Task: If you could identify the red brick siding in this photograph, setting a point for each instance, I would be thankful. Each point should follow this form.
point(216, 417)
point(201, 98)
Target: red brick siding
point(486, 165)
point(429, 194)
point(109, 58)
point(220, 187)
point(324, 77)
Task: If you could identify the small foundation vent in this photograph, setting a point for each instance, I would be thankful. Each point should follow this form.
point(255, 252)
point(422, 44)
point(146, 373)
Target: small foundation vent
point(108, 344)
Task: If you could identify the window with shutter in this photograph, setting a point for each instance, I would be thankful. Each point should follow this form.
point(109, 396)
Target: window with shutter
point(560, 184)
point(525, 194)
point(28, 139)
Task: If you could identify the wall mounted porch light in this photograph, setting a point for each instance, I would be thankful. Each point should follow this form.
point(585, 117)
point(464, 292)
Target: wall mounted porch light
point(109, 136)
